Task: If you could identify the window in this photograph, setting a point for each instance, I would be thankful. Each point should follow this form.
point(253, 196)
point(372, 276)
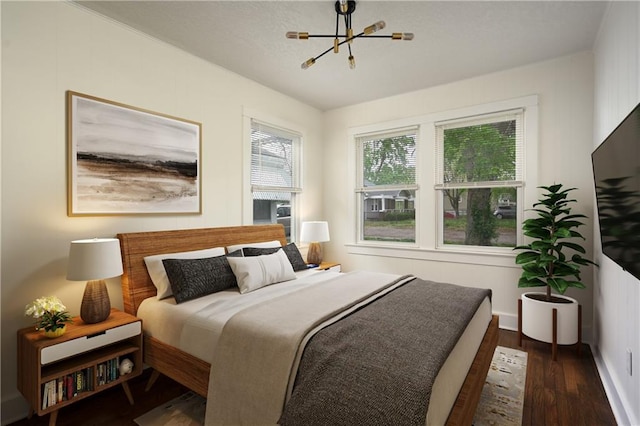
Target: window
point(479, 179)
point(475, 162)
point(275, 159)
point(386, 187)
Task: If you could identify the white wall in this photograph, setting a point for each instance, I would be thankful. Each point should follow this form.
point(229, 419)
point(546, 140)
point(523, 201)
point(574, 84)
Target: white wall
point(565, 90)
point(51, 47)
point(617, 293)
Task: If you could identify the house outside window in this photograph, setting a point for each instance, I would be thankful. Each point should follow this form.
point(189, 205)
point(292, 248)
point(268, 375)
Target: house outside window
point(387, 186)
point(479, 179)
point(275, 175)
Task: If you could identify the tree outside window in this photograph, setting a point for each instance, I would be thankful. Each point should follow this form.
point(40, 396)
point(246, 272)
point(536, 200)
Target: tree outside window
point(480, 180)
point(387, 187)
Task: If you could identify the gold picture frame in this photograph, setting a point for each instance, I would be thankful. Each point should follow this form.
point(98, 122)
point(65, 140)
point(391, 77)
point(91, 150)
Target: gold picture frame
point(124, 160)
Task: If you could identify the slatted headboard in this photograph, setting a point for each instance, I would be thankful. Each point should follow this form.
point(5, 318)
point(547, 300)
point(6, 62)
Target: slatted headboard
point(135, 246)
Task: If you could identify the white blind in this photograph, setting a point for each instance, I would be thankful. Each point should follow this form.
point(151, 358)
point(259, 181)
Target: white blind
point(273, 160)
point(482, 151)
point(387, 160)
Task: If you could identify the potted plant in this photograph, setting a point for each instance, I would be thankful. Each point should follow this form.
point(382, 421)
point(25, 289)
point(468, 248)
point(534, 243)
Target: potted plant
point(546, 263)
point(50, 315)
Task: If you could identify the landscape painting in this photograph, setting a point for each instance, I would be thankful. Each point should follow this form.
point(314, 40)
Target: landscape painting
point(126, 160)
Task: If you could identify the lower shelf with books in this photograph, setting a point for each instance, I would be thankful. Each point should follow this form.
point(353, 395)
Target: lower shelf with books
point(66, 387)
point(73, 385)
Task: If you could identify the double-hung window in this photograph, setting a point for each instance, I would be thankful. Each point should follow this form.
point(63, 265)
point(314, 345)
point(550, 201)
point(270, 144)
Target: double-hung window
point(386, 186)
point(479, 179)
point(275, 175)
point(448, 184)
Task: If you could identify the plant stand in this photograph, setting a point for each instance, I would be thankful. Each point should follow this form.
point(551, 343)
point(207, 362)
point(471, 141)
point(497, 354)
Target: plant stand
point(554, 343)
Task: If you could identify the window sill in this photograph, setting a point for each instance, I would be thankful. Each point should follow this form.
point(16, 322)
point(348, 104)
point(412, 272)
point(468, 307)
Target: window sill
point(502, 257)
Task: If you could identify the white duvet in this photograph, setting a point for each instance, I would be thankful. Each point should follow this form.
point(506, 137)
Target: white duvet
point(195, 326)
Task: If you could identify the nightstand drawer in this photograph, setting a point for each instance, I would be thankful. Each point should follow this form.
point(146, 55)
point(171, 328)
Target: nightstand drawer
point(73, 347)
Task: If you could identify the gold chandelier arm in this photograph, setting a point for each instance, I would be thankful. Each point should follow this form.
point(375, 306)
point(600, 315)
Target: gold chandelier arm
point(297, 35)
point(374, 27)
point(402, 36)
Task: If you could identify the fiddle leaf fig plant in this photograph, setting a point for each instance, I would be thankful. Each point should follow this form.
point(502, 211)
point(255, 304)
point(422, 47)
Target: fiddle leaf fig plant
point(545, 262)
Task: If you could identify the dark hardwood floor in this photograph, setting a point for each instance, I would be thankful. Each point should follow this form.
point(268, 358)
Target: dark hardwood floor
point(563, 392)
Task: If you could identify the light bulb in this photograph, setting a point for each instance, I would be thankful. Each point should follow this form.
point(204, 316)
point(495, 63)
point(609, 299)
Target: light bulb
point(344, 6)
point(402, 36)
point(375, 27)
point(352, 62)
point(297, 35)
point(306, 64)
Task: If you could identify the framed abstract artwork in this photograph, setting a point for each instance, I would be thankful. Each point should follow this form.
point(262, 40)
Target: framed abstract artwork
point(125, 160)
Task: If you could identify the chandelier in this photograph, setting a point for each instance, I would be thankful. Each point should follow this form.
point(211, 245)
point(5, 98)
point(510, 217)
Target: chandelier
point(345, 8)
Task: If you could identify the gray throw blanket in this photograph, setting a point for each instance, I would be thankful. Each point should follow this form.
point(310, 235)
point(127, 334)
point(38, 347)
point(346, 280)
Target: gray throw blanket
point(377, 366)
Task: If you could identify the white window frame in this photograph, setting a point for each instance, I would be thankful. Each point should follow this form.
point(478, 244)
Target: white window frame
point(427, 228)
point(249, 116)
point(517, 183)
point(360, 186)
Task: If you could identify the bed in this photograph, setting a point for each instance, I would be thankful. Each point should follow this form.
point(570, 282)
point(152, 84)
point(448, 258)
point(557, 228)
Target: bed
point(193, 367)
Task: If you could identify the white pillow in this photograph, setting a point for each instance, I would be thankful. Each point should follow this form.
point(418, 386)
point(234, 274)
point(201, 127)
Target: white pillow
point(264, 244)
point(159, 275)
point(255, 272)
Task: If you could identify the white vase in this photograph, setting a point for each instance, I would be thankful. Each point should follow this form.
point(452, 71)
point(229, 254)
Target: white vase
point(537, 319)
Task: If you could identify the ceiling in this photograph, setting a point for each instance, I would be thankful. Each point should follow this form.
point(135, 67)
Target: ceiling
point(453, 40)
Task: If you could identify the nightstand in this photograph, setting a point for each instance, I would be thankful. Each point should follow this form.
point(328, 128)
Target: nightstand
point(54, 373)
point(330, 266)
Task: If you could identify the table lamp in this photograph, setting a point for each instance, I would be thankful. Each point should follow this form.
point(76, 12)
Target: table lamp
point(94, 260)
point(314, 233)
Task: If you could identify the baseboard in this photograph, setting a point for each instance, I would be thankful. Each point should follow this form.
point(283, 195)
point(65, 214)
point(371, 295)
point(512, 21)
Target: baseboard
point(508, 321)
point(14, 408)
point(615, 401)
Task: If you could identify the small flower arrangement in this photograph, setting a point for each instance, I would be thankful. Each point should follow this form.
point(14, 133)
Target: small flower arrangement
point(49, 313)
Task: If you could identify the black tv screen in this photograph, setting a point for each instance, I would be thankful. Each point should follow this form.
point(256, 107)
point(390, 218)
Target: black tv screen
point(616, 172)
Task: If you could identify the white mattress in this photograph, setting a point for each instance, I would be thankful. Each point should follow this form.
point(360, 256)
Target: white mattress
point(195, 326)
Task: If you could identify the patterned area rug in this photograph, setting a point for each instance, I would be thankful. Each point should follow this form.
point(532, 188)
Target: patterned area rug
point(500, 404)
point(186, 410)
point(503, 392)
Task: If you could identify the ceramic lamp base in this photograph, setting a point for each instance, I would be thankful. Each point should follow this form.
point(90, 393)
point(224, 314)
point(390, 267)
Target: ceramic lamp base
point(95, 306)
point(314, 254)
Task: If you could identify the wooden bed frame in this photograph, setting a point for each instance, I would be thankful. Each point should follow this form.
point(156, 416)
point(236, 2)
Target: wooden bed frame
point(192, 372)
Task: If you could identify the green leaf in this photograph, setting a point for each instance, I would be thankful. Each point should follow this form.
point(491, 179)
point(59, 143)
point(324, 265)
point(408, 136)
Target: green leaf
point(558, 284)
point(524, 282)
point(526, 257)
point(582, 261)
point(547, 258)
point(568, 223)
point(541, 245)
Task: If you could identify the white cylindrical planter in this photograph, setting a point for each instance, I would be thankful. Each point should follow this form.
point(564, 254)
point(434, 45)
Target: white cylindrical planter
point(537, 319)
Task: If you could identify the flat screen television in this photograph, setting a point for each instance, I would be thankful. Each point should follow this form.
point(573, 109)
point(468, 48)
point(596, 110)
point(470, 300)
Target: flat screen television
point(616, 173)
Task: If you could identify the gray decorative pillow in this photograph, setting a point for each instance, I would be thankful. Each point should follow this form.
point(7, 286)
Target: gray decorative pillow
point(291, 250)
point(193, 278)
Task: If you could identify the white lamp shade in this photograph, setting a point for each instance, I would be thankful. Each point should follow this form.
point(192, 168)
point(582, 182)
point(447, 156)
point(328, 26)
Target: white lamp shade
point(316, 232)
point(94, 259)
